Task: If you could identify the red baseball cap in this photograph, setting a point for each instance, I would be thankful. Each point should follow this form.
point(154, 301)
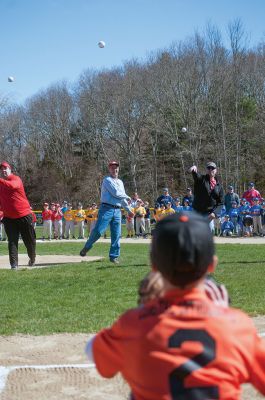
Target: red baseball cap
point(5, 164)
point(114, 163)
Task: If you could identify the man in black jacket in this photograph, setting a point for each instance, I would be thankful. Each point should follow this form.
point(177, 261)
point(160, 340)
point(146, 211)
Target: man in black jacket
point(208, 191)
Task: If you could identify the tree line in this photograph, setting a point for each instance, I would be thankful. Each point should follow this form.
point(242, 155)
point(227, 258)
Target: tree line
point(62, 138)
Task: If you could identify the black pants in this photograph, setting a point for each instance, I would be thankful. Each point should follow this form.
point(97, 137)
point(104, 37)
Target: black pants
point(24, 227)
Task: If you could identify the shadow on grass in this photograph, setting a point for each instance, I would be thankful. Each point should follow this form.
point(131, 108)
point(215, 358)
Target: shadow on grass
point(47, 265)
point(242, 262)
point(120, 266)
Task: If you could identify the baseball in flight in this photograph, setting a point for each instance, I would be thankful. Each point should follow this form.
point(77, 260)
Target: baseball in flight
point(101, 44)
point(184, 130)
point(10, 79)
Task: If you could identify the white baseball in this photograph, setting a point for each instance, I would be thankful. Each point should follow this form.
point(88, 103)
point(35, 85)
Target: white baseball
point(101, 44)
point(10, 79)
point(184, 130)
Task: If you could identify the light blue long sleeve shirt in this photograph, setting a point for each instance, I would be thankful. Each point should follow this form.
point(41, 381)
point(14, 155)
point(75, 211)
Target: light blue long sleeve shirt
point(113, 192)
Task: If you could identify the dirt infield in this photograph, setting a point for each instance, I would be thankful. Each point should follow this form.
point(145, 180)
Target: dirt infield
point(55, 368)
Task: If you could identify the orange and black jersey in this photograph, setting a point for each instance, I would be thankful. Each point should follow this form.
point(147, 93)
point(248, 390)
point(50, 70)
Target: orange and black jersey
point(182, 347)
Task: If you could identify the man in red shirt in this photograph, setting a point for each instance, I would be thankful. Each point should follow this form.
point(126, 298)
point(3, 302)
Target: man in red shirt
point(17, 215)
point(182, 345)
point(251, 194)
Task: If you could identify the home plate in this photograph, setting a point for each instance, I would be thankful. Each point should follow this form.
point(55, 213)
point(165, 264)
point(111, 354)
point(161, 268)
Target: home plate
point(46, 260)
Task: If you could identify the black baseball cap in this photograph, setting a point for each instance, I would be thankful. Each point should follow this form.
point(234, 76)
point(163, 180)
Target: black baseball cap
point(182, 247)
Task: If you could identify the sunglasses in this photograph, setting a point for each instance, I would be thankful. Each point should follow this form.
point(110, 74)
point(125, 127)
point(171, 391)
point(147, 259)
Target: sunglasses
point(212, 168)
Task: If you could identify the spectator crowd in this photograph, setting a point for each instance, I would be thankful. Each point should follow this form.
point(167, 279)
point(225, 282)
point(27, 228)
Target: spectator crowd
point(240, 216)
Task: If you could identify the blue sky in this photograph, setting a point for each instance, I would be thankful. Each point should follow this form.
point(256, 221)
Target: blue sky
point(46, 41)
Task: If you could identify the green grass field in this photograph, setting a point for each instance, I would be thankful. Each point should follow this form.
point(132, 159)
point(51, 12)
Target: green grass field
point(85, 297)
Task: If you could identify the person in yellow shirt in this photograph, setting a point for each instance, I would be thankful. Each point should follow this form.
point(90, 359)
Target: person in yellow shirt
point(92, 216)
point(79, 218)
point(168, 210)
point(157, 212)
point(162, 211)
point(139, 212)
point(69, 222)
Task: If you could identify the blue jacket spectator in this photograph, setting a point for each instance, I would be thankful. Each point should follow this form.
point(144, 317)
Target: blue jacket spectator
point(165, 197)
point(234, 216)
point(256, 209)
point(187, 206)
point(234, 212)
point(223, 212)
point(244, 208)
point(189, 196)
point(256, 212)
point(176, 205)
point(227, 227)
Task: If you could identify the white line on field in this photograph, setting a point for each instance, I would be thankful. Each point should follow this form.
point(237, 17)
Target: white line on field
point(3, 377)
point(4, 371)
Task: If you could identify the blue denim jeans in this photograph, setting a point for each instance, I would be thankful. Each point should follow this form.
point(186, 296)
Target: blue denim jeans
point(107, 216)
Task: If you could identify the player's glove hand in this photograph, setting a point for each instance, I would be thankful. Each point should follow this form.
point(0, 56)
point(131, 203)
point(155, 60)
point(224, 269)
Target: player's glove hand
point(217, 293)
point(151, 287)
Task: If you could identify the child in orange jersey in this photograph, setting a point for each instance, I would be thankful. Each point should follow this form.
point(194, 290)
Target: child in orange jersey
point(182, 345)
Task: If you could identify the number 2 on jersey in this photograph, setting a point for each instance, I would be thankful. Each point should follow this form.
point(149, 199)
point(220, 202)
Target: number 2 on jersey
point(178, 376)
